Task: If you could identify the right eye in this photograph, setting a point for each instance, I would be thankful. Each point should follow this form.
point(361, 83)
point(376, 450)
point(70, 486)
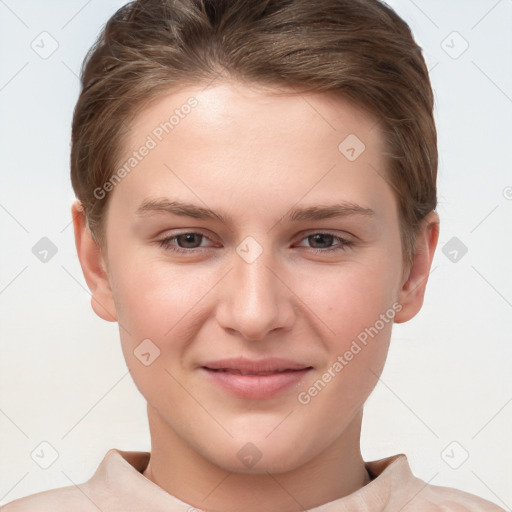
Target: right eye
point(186, 239)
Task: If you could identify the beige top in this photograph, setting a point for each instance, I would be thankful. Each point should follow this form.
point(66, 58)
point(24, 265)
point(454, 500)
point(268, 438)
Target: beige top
point(118, 485)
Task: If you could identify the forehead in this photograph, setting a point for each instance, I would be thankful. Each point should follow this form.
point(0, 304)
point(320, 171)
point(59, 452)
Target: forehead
point(237, 142)
point(228, 105)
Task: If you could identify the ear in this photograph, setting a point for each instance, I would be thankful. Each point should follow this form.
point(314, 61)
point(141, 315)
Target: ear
point(413, 288)
point(93, 266)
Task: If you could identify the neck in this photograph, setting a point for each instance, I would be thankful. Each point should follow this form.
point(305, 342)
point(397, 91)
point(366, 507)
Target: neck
point(182, 472)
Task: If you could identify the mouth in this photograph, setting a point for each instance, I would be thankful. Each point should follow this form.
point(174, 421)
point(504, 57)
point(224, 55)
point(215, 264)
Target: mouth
point(255, 380)
point(248, 366)
point(234, 371)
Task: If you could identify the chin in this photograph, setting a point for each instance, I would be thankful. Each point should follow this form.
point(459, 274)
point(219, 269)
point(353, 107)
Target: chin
point(260, 456)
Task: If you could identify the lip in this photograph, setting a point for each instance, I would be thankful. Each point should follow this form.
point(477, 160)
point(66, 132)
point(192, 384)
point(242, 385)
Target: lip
point(260, 378)
point(246, 365)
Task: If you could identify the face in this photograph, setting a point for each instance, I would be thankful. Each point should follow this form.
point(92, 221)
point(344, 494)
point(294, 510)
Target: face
point(256, 228)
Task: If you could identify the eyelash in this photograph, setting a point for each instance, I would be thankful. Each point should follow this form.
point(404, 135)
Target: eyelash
point(344, 243)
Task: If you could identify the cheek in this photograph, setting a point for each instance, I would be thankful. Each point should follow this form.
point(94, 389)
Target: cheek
point(166, 304)
point(358, 309)
point(349, 299)
point(156, 321)
point(153, 296)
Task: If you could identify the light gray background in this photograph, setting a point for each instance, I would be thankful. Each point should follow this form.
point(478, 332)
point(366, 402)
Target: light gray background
point(446, 390)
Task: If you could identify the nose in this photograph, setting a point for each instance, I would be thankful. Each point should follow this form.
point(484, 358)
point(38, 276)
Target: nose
point(256, 302)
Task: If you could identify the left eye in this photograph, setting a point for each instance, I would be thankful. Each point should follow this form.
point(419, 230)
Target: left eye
point(187, 242)
point(328, 238)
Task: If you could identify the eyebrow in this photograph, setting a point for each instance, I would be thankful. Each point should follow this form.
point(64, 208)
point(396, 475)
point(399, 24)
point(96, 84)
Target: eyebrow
point(296, 214)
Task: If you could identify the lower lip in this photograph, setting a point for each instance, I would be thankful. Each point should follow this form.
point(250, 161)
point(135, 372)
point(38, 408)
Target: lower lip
point(256, 387)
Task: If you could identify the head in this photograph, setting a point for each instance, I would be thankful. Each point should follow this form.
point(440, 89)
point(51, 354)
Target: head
point(259, 114)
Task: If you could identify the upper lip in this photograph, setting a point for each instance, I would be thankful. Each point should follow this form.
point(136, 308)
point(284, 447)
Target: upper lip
point(255, 365)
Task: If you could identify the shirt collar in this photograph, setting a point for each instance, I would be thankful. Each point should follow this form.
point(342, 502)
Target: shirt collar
point(119, 479)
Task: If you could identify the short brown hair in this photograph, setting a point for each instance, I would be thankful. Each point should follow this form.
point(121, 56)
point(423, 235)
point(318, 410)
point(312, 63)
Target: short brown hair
point(360, 50)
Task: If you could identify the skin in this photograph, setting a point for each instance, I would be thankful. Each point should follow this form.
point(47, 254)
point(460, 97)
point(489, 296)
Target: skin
point(253, 154)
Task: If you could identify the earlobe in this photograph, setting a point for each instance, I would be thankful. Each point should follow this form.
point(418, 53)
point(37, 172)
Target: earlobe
point(413, 288)
point(93, 266)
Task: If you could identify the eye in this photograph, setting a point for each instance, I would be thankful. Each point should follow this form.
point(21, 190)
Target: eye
point(327, 239)
point(187, 242)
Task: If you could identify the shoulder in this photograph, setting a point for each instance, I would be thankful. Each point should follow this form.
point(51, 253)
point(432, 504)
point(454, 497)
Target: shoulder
point(397, 488)
point(54, 500)
point(435, 498)
point(105, 490)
